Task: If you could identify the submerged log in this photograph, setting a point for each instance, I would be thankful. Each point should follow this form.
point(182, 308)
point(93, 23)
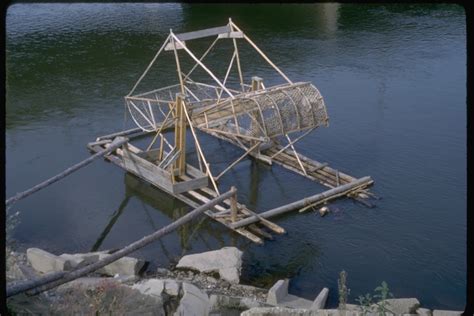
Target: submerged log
point(326, 195)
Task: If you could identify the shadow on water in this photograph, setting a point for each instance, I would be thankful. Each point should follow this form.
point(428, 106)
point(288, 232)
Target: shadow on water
point(159, 201)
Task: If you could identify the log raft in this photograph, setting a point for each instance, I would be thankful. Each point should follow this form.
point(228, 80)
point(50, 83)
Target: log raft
point(192, 187)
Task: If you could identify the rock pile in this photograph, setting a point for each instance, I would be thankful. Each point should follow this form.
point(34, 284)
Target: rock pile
point(191, 289)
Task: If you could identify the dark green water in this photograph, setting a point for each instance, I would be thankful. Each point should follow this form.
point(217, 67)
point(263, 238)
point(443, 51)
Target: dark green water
point(394, 81)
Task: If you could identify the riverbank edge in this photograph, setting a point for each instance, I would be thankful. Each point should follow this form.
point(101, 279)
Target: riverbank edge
point(166, 292)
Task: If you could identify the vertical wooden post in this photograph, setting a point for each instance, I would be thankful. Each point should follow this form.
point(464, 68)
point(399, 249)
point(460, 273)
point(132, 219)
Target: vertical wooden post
point(256, 83)
point(236, 50)
point(233, 204)
point(160, 155)
point(180, 135)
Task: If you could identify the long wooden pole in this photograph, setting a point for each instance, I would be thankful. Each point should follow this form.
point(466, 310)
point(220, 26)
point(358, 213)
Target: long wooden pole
point(237, 160)
point(226, 76)
point(161, 128)
point(198, 146)
point(119, 141)
point(292, 142)
point(149, 66)
point(178, 66)
point(327, 195)
point(180, 135)
point(203, 66)
point(262, 54)
point(241, 77)
point(201, 59)
point(296, 154)
point(49, 281)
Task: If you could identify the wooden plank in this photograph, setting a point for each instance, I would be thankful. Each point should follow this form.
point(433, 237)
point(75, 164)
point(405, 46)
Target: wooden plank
point(316, 168)
point(203, 33)
point(265, 222)
point(204, 199)
point(148, 171)
point(249, 235)
point(231, 35)
point(259, 231)
point(188, 185)
point(320, 175)
point(169, 158)
point(241, 231)
point(150, 155)
point(194, 172)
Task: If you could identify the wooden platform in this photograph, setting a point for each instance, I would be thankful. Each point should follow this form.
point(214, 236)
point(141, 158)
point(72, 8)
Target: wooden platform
point(196, 197)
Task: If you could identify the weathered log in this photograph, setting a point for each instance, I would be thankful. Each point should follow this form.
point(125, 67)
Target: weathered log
point(52, 280)
point(115, 144)
point(326, 195)
point(121, 133)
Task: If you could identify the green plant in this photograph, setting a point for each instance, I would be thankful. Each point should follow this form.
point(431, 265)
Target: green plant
point(343, 290)
point(368, 303)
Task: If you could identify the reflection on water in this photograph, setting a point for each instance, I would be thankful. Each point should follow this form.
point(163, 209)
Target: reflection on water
point(393, 78)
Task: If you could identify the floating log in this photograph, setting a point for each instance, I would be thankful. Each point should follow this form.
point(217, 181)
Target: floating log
point(50, 281)
point(115, 144)
point(326, 195)
point(121, 133)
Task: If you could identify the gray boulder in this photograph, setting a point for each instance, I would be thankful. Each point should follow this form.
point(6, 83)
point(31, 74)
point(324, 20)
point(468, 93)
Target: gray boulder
point(172, 287)
point(45, 262)
point(122, 266)
point(194, 302)
point(152, 287)
point(226, 261)
point(105, 296)
point(424, 312)
point(80, 260)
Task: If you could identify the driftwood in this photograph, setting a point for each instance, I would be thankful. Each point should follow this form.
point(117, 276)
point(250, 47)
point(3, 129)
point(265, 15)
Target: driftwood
point(326, 195)
point(117, 143)
point(50, 281)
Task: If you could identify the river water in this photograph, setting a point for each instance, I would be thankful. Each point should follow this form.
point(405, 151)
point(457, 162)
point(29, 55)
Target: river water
point(394, 81)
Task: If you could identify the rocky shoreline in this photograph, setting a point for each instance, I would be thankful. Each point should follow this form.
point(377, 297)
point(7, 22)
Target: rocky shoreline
point(200, 284)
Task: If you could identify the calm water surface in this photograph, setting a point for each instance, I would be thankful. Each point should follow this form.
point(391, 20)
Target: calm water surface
point(394, 81)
